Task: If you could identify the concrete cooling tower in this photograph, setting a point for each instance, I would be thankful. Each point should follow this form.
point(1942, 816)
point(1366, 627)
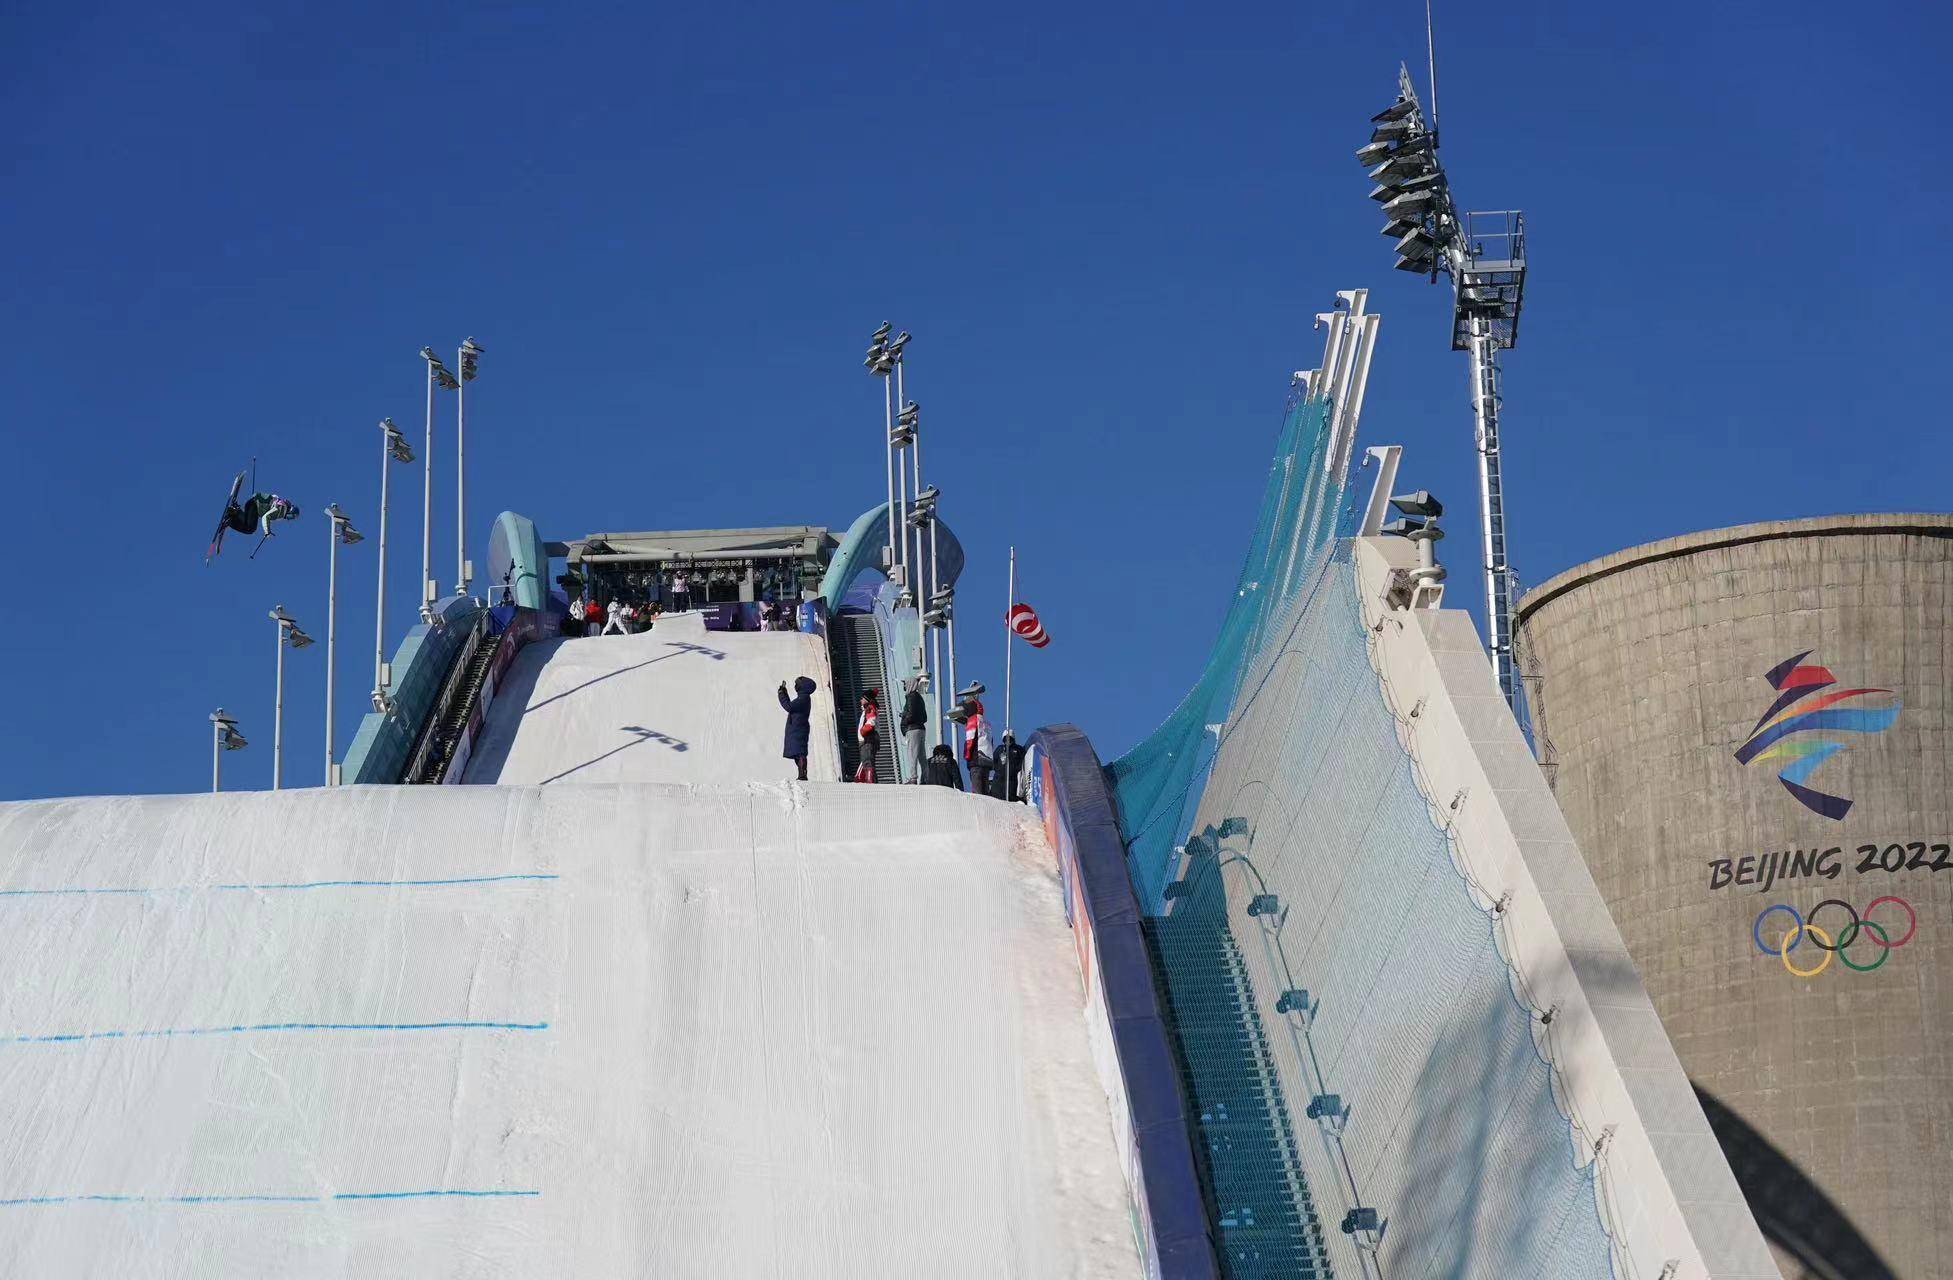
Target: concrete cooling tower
point(1747, 730)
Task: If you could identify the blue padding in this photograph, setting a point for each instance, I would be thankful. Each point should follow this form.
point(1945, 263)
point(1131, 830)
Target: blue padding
point(1172, 1213)
point(1128, 977)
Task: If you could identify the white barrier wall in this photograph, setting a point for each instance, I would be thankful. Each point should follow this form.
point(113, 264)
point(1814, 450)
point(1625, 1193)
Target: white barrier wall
point(1666, 1192)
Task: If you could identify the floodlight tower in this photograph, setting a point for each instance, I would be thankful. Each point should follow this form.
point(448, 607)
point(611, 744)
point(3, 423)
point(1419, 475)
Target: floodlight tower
point(1484, 254)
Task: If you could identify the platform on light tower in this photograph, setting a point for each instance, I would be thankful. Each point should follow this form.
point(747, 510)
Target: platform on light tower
point(1491, 281)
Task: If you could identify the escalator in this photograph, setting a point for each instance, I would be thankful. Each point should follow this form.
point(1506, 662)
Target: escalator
point(855, 650)
point(435, 749)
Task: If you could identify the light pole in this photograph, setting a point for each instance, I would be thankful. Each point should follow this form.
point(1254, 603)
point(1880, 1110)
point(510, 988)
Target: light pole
point(288, 632)
point(223, 737)
point(436, 373)
point(880, 364)
point(909, 422)
point(936, 616)
point(393, 448)
point(899, 437)
point(1485, 256)
point(342, 531)
point(466, 358)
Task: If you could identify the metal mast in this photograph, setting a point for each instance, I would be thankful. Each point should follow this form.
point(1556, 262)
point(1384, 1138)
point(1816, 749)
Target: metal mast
point(1484, 254)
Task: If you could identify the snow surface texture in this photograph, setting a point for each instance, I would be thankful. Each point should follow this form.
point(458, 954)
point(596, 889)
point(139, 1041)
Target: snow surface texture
point(725, 1030)
point(675, 704)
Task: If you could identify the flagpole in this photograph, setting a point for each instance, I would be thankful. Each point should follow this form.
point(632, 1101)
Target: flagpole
point(1008, 635)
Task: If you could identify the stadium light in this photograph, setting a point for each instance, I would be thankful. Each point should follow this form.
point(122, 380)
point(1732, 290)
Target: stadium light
point(289, 632)
point(437, 374)
point(394, 447)
point(223, 737)
point(1485, 256)
point(342, 533)
point(467, 357)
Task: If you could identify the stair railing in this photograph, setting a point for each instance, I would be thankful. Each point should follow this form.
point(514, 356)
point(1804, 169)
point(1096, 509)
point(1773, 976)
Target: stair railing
point(434, 747)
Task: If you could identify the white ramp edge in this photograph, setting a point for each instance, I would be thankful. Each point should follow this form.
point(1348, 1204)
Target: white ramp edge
point(674, 704)
point(806, 1030)
point(1664, 1188)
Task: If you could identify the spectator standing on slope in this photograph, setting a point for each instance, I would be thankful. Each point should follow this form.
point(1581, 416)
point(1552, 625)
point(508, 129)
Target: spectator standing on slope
point(869, 735)
point(979, 748)
point(799, 709)
point(593, 617)
point(616, 619)
point(915, 723)
point(941, 769)
point(681, 589)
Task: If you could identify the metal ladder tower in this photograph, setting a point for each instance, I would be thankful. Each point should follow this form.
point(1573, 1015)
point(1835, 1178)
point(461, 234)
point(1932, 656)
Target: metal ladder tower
point(1485, 256)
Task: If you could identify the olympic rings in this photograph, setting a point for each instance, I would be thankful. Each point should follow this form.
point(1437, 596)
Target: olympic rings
point(1817, 936)
point(1791, 939)
point(1884, 954)
point(1912, 918)
point(1824, 941)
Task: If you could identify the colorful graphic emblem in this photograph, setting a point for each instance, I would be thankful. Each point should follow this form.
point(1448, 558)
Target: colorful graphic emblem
point(1776, 738)
point(1804, 927)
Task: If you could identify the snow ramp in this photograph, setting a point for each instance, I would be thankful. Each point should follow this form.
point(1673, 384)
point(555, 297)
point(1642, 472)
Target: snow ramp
point(674, 704)
point(637, 1029)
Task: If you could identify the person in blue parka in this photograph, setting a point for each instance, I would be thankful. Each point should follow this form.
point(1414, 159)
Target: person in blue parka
point(798, 708)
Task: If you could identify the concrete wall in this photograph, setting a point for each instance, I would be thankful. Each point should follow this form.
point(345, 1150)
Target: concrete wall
point(1834, 1091)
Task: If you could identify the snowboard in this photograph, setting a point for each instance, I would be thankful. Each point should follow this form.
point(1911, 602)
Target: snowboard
point(223, 521)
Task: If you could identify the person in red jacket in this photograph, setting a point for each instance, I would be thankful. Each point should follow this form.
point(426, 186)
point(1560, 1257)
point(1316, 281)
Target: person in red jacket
point(593, 617)
point(978, 746)
point(870, 737)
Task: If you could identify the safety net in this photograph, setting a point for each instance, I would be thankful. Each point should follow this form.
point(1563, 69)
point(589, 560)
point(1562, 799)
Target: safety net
point(1370, 1096)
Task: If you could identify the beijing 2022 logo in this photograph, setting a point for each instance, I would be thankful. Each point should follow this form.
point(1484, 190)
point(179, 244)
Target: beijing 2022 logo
point(1776, 738)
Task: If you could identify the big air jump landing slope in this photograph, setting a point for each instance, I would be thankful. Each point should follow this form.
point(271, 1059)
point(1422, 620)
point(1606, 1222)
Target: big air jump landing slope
point(675, 704)
point(721, 1028)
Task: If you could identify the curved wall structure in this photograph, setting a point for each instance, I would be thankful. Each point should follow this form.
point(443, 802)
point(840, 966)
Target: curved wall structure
point(1748, 732)
point(1412, 1041)
point(518, 561)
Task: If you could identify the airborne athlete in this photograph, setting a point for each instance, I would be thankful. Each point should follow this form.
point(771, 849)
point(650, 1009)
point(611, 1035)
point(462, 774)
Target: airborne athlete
point(253, 516)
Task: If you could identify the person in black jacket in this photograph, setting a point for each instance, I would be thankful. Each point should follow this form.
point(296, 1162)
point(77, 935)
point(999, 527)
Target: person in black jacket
point(915, 723)
point(941, 771)
point(799, 709)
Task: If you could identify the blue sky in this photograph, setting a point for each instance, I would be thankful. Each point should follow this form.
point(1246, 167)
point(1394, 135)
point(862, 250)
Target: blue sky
point(230, 231)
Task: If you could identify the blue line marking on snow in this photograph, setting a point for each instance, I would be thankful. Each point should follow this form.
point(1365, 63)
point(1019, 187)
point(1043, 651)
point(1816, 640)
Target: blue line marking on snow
point(414, 1195)
point(278, 887)
point(259, 1199)
point(70, 1037)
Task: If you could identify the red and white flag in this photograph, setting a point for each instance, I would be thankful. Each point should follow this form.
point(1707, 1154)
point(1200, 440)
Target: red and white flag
point(1023, 620)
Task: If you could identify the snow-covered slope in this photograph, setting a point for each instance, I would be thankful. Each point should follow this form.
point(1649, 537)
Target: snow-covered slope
point(675, 704)
point(614, 1030)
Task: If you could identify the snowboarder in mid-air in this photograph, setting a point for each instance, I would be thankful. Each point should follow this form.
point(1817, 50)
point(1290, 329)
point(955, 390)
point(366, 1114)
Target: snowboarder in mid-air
point(253, 515)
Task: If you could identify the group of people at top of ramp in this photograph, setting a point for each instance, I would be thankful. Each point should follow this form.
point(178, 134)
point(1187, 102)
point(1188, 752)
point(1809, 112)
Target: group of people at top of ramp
point(939, 767)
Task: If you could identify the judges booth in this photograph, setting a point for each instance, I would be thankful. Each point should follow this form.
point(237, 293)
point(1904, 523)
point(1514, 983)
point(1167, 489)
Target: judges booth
point(715, 566)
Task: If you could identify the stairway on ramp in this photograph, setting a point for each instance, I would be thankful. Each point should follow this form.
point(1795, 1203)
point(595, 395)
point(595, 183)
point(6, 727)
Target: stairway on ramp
point(433, 754)
point(855, 646)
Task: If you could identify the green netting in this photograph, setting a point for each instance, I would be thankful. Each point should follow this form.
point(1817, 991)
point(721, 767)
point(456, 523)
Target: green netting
point(1343, 1018)
point(1304, 507)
